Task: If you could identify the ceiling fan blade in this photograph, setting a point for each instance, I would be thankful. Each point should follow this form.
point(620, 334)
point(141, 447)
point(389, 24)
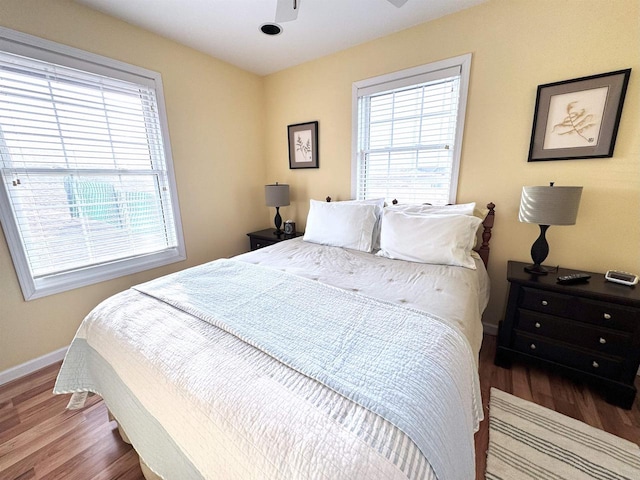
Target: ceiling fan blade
point(397, 3)
point(287, 10)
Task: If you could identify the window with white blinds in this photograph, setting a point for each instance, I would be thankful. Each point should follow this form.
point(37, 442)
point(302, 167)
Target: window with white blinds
point(87, 186)
point(408, 133)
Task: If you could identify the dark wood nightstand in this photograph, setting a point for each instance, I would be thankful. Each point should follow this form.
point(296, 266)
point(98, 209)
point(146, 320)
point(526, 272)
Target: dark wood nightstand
point(588, 331)
point(264, 238)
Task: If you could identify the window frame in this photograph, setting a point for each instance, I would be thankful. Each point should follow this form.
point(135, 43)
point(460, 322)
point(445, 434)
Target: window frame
point(404, 78)
point(56, 53)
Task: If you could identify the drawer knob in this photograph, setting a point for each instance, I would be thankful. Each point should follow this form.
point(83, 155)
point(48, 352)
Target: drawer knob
point(595, 364)
point(603, 340)
point(607, 316)
point(545, 303)
point(537, 325)
point(533, 346)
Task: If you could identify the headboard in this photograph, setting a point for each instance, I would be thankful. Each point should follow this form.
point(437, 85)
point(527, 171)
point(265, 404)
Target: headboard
point(487, 225)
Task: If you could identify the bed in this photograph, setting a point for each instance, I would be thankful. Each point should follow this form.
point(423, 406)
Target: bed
point(302, 359)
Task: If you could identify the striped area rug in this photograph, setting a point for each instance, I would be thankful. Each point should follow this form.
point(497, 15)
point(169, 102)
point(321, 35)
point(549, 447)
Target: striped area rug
point(527, 441)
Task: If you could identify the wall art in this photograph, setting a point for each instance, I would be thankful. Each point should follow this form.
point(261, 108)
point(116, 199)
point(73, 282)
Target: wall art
point(578, 118)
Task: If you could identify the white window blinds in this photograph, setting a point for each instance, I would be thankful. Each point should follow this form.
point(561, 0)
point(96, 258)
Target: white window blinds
point(408, 135)
point(85, 175)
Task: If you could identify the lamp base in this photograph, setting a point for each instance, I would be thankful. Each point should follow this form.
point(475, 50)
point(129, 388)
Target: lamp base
point(537, 269)
point(278, 221)
point(539, 251)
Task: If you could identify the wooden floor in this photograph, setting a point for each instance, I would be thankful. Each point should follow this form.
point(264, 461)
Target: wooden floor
point(39, 439)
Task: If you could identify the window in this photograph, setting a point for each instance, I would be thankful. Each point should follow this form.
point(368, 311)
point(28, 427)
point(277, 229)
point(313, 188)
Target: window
point(408, 133)
point(87, 186)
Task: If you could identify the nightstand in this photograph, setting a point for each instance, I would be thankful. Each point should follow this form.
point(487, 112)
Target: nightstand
point(264, 238)
point(589, 331)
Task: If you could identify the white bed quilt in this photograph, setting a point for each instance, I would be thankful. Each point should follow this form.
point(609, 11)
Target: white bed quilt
point(191, 379)
point(455, 294)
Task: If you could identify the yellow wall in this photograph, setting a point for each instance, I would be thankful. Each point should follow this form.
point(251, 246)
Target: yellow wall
point(516, 46)
point(228, 133)
point(215, 114)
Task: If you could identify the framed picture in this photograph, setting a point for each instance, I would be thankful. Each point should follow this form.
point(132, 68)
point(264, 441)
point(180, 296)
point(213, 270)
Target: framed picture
point(303, 145)
point(578, 118)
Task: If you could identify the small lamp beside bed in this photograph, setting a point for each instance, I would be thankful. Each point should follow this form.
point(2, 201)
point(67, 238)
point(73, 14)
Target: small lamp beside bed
point(547, 206)
point(277, 196)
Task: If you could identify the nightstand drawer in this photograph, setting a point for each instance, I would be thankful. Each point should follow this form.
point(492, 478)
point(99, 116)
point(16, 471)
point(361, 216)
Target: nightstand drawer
point(259, 243)
point(600, 340)
point(545, 302)
point(563, 354)
point(608, 315)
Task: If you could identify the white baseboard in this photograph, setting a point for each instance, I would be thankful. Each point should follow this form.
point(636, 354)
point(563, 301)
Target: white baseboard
point(490, 329)
point(32, 366)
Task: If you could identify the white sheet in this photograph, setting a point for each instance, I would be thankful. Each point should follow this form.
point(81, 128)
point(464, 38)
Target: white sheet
point(455, 294)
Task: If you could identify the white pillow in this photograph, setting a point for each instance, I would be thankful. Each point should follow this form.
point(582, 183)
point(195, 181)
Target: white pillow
point(341, 224)
point(436, 239)
point(379, 203)
point(457, 209)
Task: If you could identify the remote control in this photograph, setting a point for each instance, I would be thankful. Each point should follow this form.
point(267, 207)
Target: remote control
point(574, 278)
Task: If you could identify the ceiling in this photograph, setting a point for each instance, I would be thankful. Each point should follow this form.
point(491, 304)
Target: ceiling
point(230, 29)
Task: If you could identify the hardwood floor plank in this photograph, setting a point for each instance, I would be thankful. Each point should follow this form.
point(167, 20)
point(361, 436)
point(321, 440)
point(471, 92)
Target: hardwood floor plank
point(20, 385)
point(31, 474)
point(588, 410)
point(33, 417)
point(30, 441)
point(98, 457)
point(520, 381)
point(32, 395)
point(9, 418)
point(541, 388)
point(28, 406)
point(129, 464)
point(56, 453)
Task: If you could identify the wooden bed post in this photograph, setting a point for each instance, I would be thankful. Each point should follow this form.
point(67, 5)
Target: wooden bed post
point(487, 224)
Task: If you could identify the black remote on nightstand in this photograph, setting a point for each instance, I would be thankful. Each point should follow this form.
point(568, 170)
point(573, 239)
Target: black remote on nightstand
point(573, 278)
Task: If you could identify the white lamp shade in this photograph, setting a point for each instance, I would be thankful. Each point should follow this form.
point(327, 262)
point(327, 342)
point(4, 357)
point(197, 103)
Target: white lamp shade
point(550, 205)
point(276, 195)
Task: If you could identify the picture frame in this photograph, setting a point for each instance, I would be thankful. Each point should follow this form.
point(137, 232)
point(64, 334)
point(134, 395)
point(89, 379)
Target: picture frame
point(303, 145)
point(578, 118)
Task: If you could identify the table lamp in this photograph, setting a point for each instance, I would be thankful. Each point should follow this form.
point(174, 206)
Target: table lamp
point(277, 196)
point(547, 206)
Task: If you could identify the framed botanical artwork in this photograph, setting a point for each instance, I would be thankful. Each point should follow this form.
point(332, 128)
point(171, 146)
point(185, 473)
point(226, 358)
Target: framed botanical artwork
point(578, 118)
point(303, 145)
